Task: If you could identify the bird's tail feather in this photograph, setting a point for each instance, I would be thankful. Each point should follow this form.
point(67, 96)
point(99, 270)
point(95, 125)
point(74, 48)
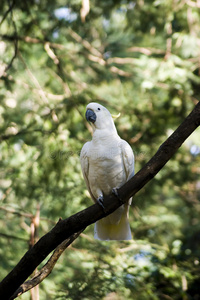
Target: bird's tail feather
point(106, 229)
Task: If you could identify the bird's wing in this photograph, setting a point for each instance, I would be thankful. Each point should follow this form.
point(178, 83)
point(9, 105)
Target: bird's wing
point(128, 159)
point(85, 166)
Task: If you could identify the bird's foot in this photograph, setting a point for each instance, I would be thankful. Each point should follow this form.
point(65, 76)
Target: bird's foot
point(100, 202)
point(115, 192)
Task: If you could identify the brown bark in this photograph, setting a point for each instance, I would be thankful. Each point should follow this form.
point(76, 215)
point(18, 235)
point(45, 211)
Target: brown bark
point(46, 270)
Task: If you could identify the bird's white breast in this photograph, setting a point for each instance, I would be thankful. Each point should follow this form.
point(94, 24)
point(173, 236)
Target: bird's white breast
point(106, 169)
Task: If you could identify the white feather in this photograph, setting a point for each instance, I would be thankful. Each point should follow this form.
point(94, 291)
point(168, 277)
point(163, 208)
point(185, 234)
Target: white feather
point(107, 162)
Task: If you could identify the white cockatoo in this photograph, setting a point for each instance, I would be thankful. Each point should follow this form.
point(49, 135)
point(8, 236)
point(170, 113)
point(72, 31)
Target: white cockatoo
point(107, 162)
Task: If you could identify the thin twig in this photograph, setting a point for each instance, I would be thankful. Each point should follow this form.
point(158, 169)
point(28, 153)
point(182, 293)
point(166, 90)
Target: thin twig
point(33, 40)
point(10, 10)
point(35, 81)
point(85, 43)
point(146, 51)
point(46, 269)
point(11, 5)
point(23, 131)
point(9, 236)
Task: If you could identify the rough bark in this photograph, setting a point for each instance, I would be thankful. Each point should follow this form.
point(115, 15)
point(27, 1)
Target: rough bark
point(65, 228)
point(46, 270)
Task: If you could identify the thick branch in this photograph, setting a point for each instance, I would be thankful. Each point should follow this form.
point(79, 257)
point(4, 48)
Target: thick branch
point(65, 228)
point(47, 269)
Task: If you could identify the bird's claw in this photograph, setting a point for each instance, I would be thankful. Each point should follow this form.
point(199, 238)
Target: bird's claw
point(100, 202)
point(115, 192)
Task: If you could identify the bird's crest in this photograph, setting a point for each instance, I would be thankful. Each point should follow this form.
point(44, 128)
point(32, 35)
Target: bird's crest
point(116, 116)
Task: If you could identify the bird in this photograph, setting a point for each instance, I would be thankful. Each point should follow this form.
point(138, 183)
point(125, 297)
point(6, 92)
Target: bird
point(107, 162)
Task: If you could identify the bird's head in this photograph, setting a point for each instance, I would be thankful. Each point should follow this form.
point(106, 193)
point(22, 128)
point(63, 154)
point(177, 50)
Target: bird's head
point(99, 117)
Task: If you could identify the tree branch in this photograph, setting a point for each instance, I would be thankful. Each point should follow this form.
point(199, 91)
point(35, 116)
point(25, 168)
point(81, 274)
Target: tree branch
point(22, 132)
point(11, 236)
point(14, 211)
point(47, 269)
point(64, 229)
point(10, 10)
point(147, 51)
point(33, 40)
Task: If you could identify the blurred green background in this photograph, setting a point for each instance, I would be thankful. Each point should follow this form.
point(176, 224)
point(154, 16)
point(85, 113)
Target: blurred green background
point(139, 58)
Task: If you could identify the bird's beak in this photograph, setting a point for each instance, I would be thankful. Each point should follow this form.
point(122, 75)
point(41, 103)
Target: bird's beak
point(90, 115)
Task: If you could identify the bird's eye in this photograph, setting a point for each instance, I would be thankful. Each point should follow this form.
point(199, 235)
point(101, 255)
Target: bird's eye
point(99, 108)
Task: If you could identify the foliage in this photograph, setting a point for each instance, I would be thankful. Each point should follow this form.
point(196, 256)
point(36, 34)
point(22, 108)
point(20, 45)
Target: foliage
point(137, 58)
